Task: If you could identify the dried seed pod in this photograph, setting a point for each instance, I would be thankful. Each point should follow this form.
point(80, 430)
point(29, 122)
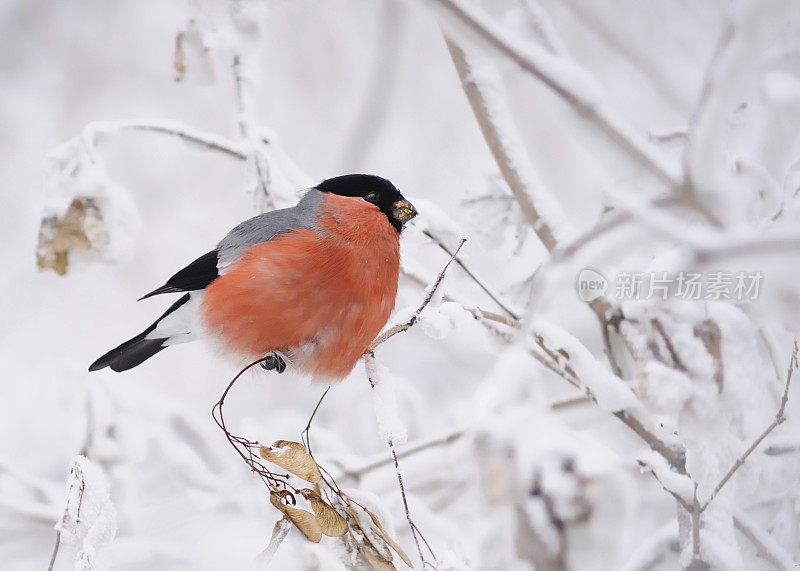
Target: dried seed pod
point(292, 456)
point(388, 539)
point(372, 534)
point(333, 524)
point(379, 563)
point(305, 521)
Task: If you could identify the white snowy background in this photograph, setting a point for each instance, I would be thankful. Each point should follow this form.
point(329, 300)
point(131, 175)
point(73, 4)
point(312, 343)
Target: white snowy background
point(636, 136)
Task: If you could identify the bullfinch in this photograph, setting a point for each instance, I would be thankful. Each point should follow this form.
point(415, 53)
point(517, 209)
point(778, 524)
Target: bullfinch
point(311, 285)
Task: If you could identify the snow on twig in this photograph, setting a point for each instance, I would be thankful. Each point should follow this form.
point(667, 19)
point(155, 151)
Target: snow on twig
point(279, 533)
point(90, 520)
point(483, 89)
point(764, 543)
point(569, 81)
point(384, 402)
point(429, 293)
point(779, 419)
point(606, 389)
point(436, 240)
point(679, 486)
point(357, 473)
point(190, 135)
point(392, 430)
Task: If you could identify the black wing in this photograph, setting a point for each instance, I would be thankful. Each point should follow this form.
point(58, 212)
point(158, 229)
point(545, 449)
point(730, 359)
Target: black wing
point(196, 275)
point(137, 350)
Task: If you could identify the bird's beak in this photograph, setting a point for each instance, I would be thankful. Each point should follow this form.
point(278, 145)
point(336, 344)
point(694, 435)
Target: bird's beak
point(403, 211)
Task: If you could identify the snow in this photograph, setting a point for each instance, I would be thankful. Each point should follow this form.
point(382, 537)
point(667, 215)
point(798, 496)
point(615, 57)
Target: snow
point(611, 393)
point(89, 523)
point(500, 452)
point(384, 402)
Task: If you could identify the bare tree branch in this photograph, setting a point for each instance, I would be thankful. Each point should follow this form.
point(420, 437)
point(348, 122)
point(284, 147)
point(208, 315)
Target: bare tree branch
point(542, 66)
point(471, 275)
point(765, 545)
point(55, 551)
point(399, 328)
point(779, 419)
point(193, 136)
point(501, 147)
point(243, 96)
point(405, 453)
point(374, 380)
point(579, 91)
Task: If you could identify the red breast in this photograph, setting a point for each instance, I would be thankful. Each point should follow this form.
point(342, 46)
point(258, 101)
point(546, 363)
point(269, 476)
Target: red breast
point(319, 296)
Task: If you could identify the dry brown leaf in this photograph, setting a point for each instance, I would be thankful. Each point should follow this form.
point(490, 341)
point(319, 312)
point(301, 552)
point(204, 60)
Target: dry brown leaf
point(80, 229)
point(372, 535)
point(305, 521)
point(379, 563)
point(333, 524)
point(292, 456)
point(387, 538)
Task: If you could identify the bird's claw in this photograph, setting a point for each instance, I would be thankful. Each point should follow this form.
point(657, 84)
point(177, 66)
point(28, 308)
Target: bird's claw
point(273, 361)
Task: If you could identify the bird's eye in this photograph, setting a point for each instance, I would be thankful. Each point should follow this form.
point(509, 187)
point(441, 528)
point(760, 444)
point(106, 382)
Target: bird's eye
point(371, 197)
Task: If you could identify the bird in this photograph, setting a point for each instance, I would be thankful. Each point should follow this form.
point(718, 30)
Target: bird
point(311, 285)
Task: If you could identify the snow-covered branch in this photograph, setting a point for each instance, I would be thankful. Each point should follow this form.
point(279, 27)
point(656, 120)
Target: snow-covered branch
point(778, 420)
point(430, 291)
point(570, 82)
point(89, 522)
point(484, 93)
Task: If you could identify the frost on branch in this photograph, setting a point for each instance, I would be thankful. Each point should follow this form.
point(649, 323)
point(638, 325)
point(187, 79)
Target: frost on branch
point(542, 487)
point(89, 522)
point(391, 426)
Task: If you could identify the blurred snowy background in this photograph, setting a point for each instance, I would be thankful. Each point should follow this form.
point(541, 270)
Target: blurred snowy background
point(631, 136)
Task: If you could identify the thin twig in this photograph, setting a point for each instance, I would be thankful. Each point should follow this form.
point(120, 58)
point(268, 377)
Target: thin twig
point(779, 419)
point(500, 143)
point(677, 362)
point(436, 240)
point(601, 22)
point(500, 147)
point(695, 525)
point(247, 449)
point(609, 318)
point(481, 314)
point(765, 545)
point(211, 142)
point(414, 530)
point(546, 67)
point(702, 104)
point(553, 360)
point(490, 32)
point(400, 327)
point(55, 551)
point(305, 436)
point(243, 100)
point(678, 498)
point(422, 446)
point(357, 473)
point(372, 377)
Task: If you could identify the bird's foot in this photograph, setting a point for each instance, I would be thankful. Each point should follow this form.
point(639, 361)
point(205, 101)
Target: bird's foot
point(273, 361)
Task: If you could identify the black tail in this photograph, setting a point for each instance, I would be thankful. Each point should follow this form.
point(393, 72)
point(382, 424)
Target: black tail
point(137, 350)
